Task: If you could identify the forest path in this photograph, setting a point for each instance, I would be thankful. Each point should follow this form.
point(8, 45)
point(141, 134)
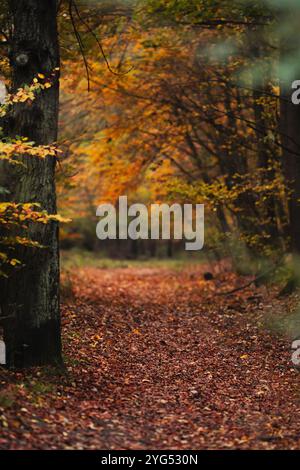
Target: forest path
point(156, 360)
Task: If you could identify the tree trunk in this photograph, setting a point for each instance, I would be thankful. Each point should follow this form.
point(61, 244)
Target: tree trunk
point(170, 248)
point(31, 296)
point(290, 137)
point(266, 153)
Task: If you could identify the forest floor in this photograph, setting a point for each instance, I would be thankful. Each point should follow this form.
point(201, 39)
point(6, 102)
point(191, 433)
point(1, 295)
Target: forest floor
point(156, 359)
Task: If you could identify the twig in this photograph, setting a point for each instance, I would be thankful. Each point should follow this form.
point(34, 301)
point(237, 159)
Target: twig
point(6, 318)
point(79, 40)
point(257, 278)
point(89, 30)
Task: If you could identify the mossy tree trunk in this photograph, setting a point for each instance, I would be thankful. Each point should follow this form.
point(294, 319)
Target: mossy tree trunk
point(31, 295)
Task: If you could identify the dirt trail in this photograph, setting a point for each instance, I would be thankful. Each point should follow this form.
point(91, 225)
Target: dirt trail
point(156, 360)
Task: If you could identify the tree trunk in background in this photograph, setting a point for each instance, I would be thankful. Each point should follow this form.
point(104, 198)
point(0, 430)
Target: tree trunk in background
point(290, 137)
point(152, 248)
point(290, 128)
point(258, 49)
point(170, 248)
point(31, 294)
point(264, 162)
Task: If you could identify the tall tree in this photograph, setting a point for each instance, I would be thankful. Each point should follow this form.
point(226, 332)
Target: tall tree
point(31, 295)
point(290, 137)
point(290, 118)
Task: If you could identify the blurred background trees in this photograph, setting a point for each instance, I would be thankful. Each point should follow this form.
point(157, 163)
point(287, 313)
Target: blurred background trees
point(187, 103)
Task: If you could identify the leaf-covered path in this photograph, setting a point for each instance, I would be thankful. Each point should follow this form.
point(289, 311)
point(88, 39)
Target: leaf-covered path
point(156, 360)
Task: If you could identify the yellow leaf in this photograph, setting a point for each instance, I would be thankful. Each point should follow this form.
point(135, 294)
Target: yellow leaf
point(136, 332)
point(14, 261)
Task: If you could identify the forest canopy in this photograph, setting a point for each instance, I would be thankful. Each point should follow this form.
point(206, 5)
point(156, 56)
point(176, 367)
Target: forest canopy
point(184, 105)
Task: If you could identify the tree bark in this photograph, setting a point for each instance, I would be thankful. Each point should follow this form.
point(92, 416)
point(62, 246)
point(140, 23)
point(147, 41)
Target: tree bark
point(31, 294)
point(290, 137)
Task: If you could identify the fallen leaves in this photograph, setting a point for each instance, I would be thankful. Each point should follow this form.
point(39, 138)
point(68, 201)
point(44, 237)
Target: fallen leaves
point(155, 361)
